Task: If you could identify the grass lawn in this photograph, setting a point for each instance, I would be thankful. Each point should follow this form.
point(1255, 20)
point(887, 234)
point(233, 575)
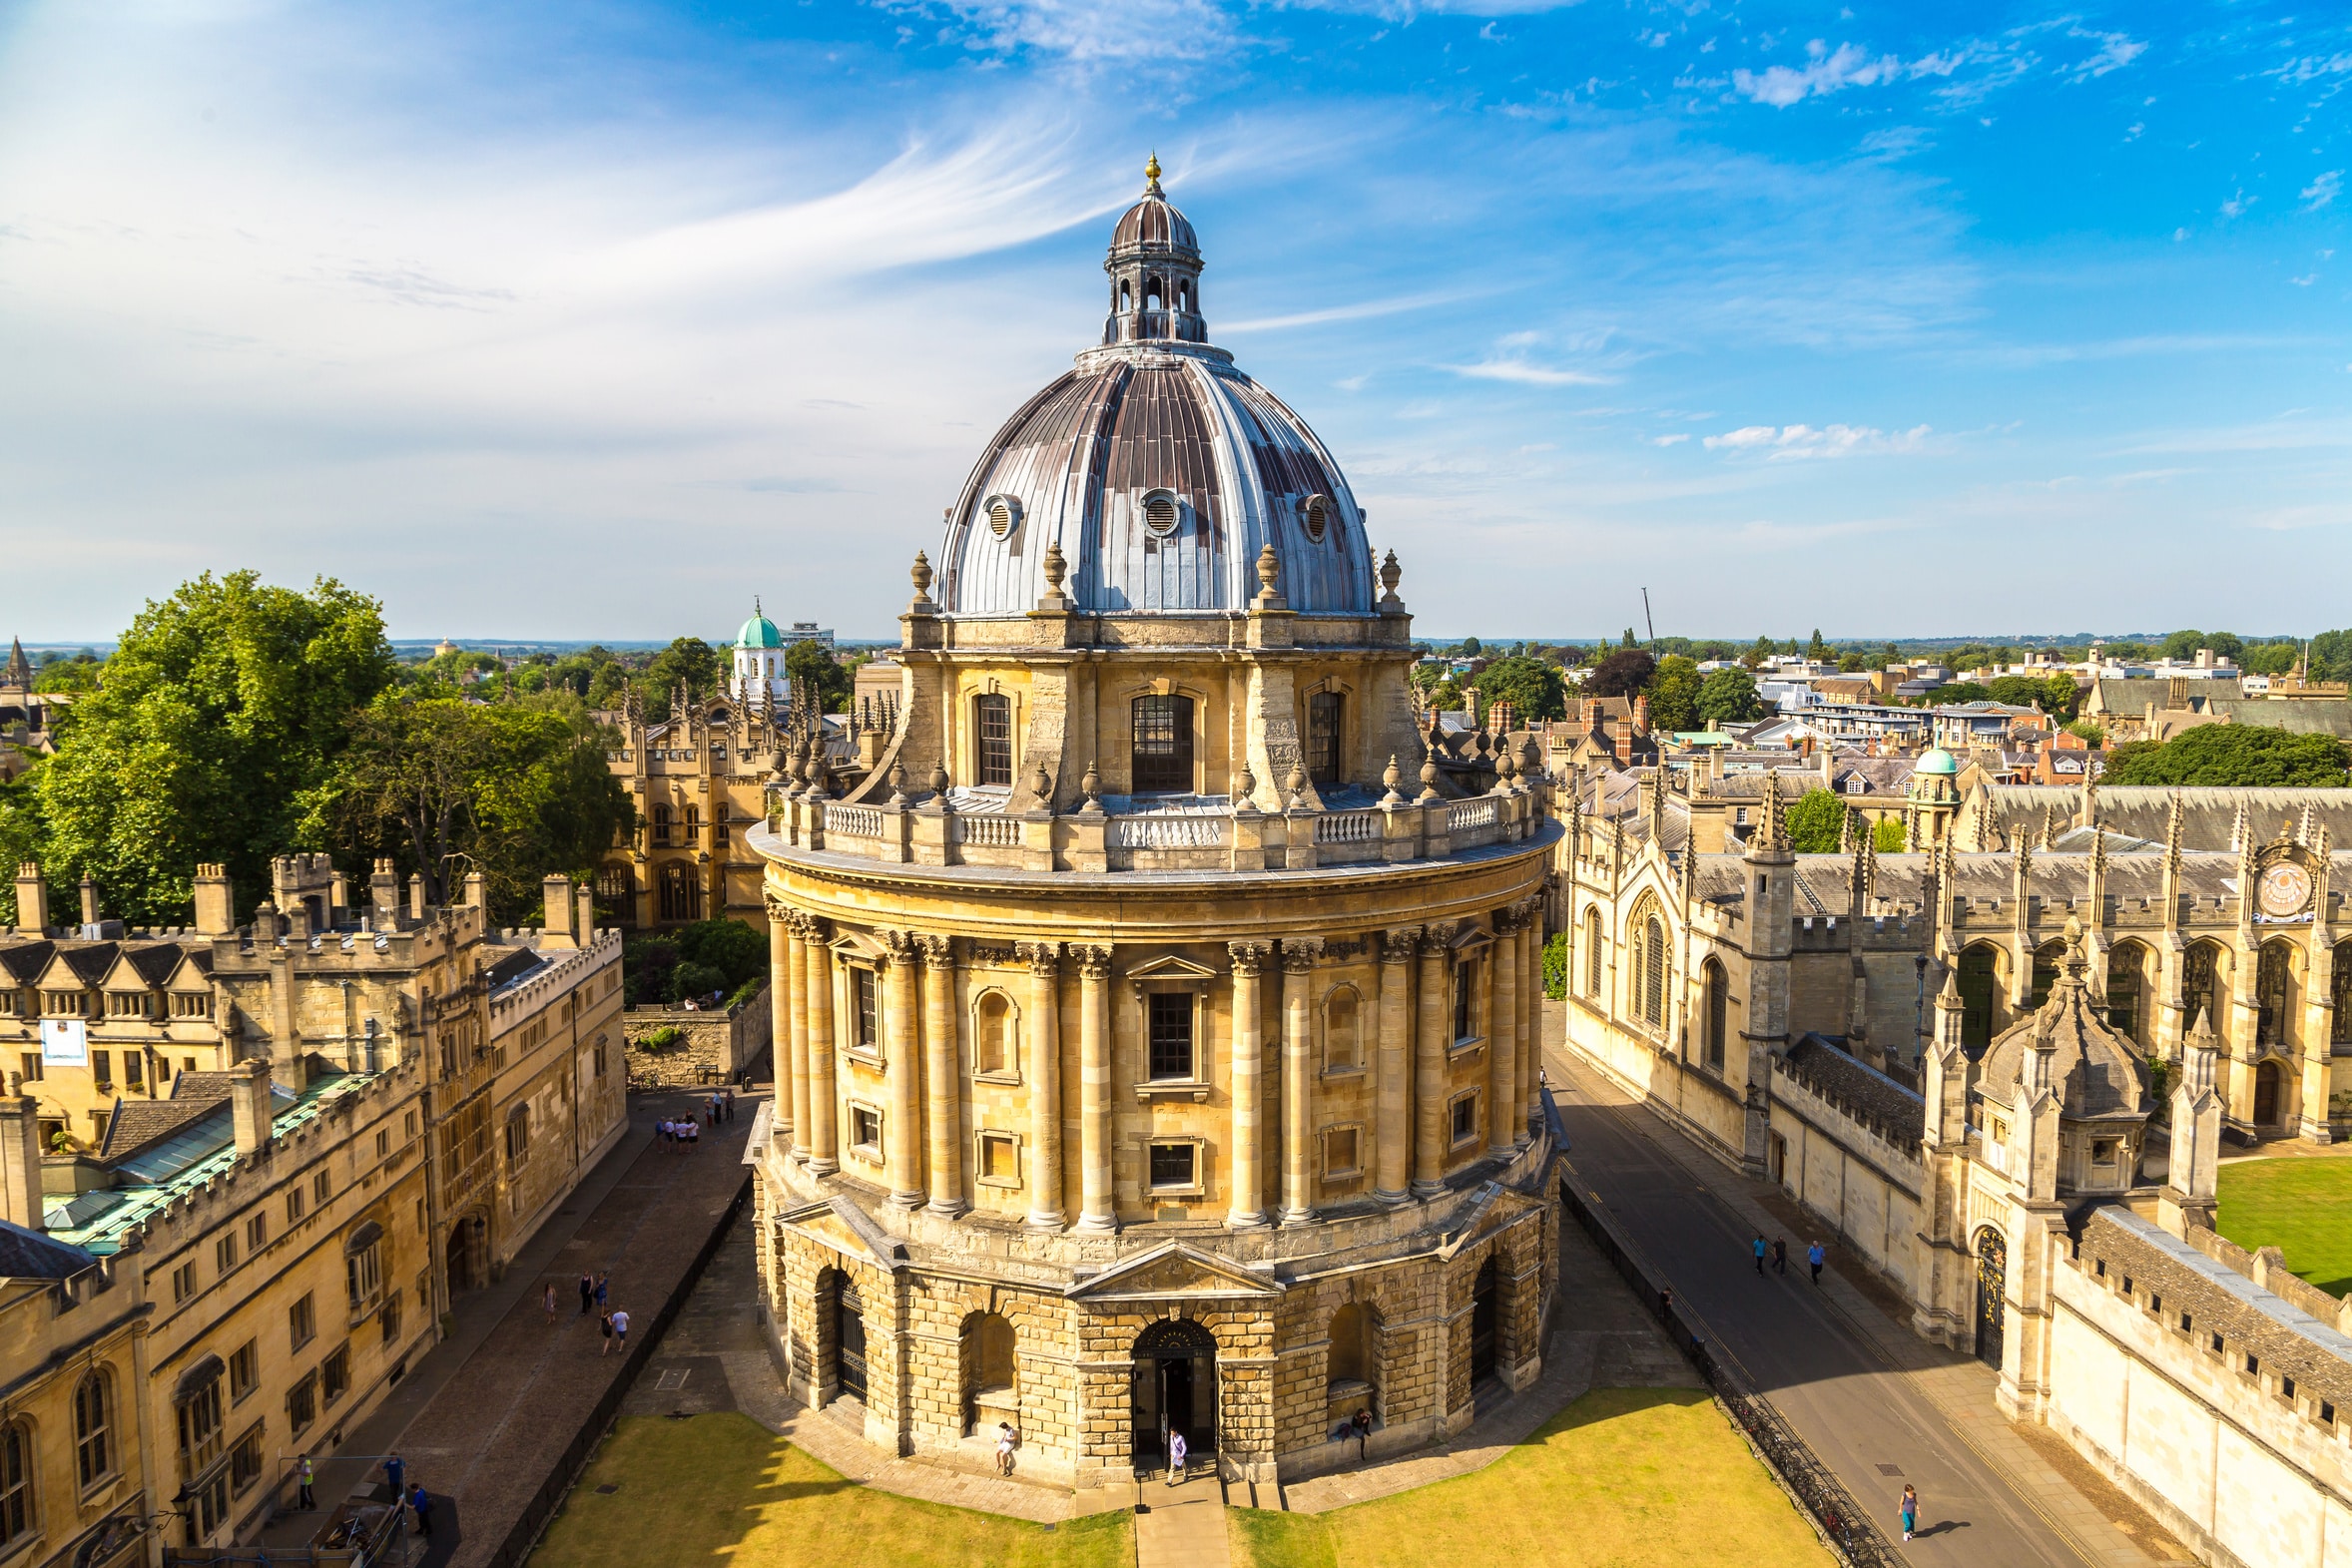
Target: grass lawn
point(722, 1488)
point(2302, 1207)
point(1622, 1478)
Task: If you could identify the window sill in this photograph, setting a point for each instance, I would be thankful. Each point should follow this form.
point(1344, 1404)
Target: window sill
point(1466, 1046)
point(1173, 1088)
point(1006, 1184)
point(1332, 1074)
point(867, 1153)
point(1159, 1194)
point(872, 1061)
point(1008, 1080)
point(1341, 1177)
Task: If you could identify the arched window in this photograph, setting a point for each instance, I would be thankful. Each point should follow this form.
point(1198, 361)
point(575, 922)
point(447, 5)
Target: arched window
point(990, 1372)
point(1324, 711)
point(1718, 986)
point(1126, 295)
point(2124, 988)
point(992, 1048)
point(1979, 978)
point(1650, 967)
point(2198, 986)
point(681, 895)
point(2272, 982)
point(2340, 992)
point(93, 1431)
point(2046, 959)
point(616, 888)
point(1592, 953)
point(16, 1481)
point(1160, 761)
point(1466, 998)
point(1341, 1050)
point(694, 825)
point(1152, 295)
point(992, 720)
point(660, 824)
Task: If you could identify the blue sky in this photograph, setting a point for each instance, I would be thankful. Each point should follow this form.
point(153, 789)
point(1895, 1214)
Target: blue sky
point(598, 319)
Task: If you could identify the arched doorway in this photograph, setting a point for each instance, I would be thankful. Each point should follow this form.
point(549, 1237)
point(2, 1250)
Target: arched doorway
point(845, 1315)
point(1991, 1294)
point(1978, 980)
point(2266, 1095)
point(1486, 1317)
point(466, 1257)
point(989, 1395)
point(1174, 1389)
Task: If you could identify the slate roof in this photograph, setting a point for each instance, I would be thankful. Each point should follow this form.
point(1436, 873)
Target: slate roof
point(2209, 815)
point(2095, 1071)
point(138, 1123)
point(1900, 1115)
point(29, 1254)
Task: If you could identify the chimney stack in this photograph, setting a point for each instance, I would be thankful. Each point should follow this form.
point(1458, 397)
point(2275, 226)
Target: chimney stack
point(249, 1100)
point(89, 901)
point(416, 897)
point(384, 895)
point(477, 891)
point(555, 928)
point(20, 1159)
point(32, 898)
point(584, 924)
point(215, 907)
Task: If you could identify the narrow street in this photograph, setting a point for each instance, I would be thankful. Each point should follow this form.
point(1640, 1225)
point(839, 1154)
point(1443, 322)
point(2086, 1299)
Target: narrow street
point(1810, 1353)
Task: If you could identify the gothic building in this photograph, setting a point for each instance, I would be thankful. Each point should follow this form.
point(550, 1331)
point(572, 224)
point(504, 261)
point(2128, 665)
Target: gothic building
point(1156, 1014)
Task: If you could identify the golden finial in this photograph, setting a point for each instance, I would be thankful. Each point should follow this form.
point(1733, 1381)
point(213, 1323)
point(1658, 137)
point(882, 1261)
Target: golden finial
point(1151, 174)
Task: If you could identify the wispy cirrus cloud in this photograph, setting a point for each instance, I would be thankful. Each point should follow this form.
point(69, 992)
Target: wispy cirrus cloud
point(2323, 191)
point(1777, 443)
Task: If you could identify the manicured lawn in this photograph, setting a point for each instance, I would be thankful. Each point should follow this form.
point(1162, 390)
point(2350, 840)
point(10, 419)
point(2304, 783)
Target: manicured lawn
point(722, 1487)
point(2301, 1206)
point(1622, 1478)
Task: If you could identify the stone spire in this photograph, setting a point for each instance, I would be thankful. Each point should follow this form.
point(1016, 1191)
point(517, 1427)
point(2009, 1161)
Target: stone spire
point(2188, 1195)
point(20, 668)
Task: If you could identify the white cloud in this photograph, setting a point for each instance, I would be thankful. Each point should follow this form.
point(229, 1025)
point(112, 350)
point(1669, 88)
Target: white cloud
point(1148, 34)
point(1526, 374)
point(1801, 440)
point(2116, 51)
point(1669, 440)
point(1824, 72)
point(2237, 203)
point(2322, 191)
point(2305, 281)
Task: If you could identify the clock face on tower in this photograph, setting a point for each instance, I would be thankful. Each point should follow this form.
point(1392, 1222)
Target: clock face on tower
point(2283, 889)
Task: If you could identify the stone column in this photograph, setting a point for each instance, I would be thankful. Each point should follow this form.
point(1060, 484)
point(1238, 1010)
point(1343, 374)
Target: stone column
point(1428, 1067)
point(1503, 1032)
point(823, 1100)
point(782, 1119)
point(1530, 1105)
point(903, 1158)
point(792, 1077)
point(942, 1076)
point(1097, 1204)
point(1392, 1135)
point(1298, 1078)
point(1248, 1095)
point(1044, 1084)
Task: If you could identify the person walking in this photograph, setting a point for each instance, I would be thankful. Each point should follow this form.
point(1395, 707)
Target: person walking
point(420, 1504)
point(621, 1332)
point(587, 1292)
point(1780, 1255)
point(603, 1284)
point(1815, 1257)
point(1176, 1452)
point(1758, 1248)
point(395, 1469)
point(547, 1299)
point(1007, 1440)
point(1909, 1509)
point(303, 1475)
point(605, 1324)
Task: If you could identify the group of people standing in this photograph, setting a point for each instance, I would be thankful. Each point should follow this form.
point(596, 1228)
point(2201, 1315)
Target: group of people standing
point(681, 1134)
point(595, 1298)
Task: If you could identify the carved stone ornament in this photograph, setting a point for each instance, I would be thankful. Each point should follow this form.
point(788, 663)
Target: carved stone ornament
point(1439, 936)
point(1249, 957)
point(1042, 957)
point(1398, 946)
point(1300, 953)
point(922, 575)
point(1390, 777)
point(1391, 574)
point(1094, 962)
point(939, 952)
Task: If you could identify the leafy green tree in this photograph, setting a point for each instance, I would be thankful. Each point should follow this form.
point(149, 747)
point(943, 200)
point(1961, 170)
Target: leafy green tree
point(1445, 697)
point(1816, 823)
point(1555, 967)
point(515, 791)
point(691, 961)
point(1852, 664)
point(1624, 672)
point(2331, 656)
point(2052, 694)
point(1956, 693)
point(1471, 647)
point(1674, 695)
point(808, 662)
point(2185, 644)
point(1533, 689)
point(21, 833)
point(687, 661)
point(2088, 732)
point(1817, 649)
point(2231, 754)
point(2127, 651)
point(1729, 697)
point(1757, 653)
point(1714, 651)
point(79, 673)
point(223, 705)
point(1886, 835)
point(2272, 658)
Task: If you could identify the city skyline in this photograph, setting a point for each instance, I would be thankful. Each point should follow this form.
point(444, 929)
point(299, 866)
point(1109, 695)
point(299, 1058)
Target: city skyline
point(566, 323)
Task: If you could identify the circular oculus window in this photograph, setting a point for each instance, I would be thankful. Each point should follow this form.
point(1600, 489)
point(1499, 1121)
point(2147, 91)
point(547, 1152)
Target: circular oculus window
point(1004, 512)
point(1160, 513)
point(1314, 512)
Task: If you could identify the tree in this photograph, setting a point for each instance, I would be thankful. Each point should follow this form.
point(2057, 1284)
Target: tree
point(223, 706)
point(2271, 658)
point(1621, 673)
point(2231, 754)
point(2331, 656)
point(1817, 649)
point(79, 673)
point(1886, 835)
point(2184, 645)
point(687, 661)
point(1674, 695)
point(1471, 647)
point(1852, 664)
point(515, 791)
point(1757, 653)
point(808, 662)
point(2054, 693)
point(1729, 697)
point(1816, 823)
point(1445, 697)
point(1533, 689)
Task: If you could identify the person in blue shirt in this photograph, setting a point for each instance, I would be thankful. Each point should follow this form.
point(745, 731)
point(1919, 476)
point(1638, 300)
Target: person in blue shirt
point(1758, 1249)
point(1815, 1257)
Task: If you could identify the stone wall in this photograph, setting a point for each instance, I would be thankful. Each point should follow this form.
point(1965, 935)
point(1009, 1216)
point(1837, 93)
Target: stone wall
point(2221, 1406)
point(716, 1044)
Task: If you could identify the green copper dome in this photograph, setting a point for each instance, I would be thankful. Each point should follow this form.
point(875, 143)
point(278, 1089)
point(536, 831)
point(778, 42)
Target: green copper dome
point(1937, 760)
point(759, 630)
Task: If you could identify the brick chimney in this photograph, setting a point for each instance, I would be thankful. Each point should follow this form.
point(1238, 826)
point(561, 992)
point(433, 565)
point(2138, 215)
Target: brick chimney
point(1641, 714)
point(249, 1100)
point(20, 1161)
point(215, 907)
point(556, 928)
point(32, 898)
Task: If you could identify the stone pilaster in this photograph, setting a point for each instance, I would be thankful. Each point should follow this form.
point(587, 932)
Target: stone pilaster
point(1392, 1138)
point(903, 1158)
point(1503, 1028)
point(1248, 1094)
point(1428, 1067)
point(1530, 1107)
point(943, 1078)
point(783, 1013)
point(1298, 1079)
point(1044, 1075)
point(1097, 1201)
point(824, 1096)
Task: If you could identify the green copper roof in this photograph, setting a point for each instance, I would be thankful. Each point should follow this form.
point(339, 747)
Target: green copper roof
point(1937, 760)
point(759, 630)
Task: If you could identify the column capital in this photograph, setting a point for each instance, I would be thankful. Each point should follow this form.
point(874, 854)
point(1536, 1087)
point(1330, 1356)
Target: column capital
point(780, 911)
point(1094, 961)
point(1300, 953)
point(815, 929)
point(1398, 946)
point(1438, 937)
point(1042, 957)
point(1249, 957)
point(1508, 920)
point(899, 945)
point(939, 951)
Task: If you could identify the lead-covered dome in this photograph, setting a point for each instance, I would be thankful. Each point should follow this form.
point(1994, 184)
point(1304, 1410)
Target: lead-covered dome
point(1159, 468)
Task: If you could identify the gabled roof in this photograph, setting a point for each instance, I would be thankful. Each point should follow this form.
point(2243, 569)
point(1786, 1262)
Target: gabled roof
point(79, 965)
point(1175, 1270)
point(23, 961)
point(136, 967)
point(29, 1254)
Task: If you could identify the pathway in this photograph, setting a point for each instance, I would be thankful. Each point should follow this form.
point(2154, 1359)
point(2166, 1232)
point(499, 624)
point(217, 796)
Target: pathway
point(1877, 1404)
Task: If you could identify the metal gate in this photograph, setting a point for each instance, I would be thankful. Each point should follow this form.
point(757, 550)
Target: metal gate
point(1991, 1294)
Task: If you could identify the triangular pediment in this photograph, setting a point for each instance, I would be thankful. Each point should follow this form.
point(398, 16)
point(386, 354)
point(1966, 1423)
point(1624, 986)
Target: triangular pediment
point(1175, 1271)
point(840, 1224)
point(1170, 966)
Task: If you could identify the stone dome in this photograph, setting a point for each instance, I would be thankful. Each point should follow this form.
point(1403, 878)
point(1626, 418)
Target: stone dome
point(1158, 467)
point(2096, 1072)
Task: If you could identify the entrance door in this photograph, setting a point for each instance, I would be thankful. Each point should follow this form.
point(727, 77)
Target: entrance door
point(2266, 1094)
point(1991, 1294)
point(1174, 1389)
point(1484, 1297)
point(849, 1339)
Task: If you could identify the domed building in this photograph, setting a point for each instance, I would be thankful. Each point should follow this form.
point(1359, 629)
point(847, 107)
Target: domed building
point(755, 669)
point(1156, 1017)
